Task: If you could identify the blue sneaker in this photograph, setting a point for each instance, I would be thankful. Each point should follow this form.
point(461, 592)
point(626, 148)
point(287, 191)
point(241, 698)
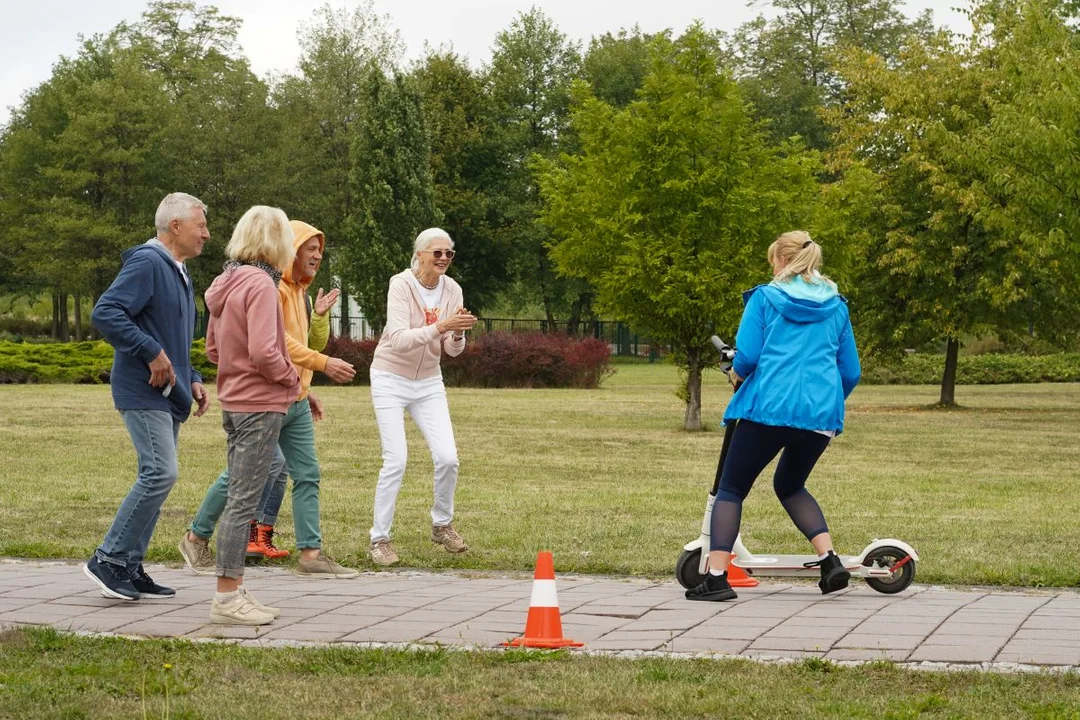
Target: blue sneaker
point(112, 579)
point(147, 587)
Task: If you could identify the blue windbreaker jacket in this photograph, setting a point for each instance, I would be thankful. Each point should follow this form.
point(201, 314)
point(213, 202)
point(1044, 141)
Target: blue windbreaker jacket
point(797, 356)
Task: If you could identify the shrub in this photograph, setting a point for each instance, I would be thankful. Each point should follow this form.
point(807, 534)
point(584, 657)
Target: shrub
point(522, 360)
point(925, 369)
point(81, 362)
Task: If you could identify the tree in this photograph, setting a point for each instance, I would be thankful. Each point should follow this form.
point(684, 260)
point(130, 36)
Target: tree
point(392, 188)
point(532, 67)
point(468, 173)
point(615, 65)
point(671, 201)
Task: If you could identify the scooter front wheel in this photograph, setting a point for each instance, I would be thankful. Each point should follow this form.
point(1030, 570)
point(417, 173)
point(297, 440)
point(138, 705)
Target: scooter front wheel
point(686, 569)
point(898, 561)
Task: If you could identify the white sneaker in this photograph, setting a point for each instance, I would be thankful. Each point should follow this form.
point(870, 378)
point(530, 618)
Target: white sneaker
point(265, 608)
point(239, 611)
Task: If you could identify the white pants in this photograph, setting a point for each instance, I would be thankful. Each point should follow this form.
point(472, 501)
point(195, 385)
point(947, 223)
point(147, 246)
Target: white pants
point(426, 401)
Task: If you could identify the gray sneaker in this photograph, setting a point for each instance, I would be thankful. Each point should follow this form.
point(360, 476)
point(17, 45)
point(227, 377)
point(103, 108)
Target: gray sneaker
point(239, 611)
point(197, 555)
point(382, 553)
point(321, 566)
point(446, 536)
point(265, 608)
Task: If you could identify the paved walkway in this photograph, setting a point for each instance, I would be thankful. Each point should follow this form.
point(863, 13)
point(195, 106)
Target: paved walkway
point(921, 626)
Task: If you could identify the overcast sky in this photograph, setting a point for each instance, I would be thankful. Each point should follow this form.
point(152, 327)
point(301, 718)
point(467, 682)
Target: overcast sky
point(36, 33)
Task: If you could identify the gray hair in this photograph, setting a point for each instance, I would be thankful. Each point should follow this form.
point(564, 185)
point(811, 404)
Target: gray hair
point(175, 206)
point(424, 239)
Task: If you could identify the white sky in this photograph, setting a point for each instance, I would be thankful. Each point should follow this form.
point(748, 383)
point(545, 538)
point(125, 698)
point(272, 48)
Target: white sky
point(35, 34)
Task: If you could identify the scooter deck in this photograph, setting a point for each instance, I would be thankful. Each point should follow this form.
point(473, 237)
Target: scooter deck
point(787, 563)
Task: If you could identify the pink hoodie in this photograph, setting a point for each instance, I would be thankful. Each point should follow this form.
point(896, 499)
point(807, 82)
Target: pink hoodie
point(246, 340)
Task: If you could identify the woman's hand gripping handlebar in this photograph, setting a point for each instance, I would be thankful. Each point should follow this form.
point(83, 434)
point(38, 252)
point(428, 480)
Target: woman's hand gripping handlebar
point(727, 357)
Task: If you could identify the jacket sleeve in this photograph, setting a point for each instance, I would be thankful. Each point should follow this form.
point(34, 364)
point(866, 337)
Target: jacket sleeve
point(751, 336)
point(398, 329)
point(318, 332)
point(300, 353)
point(262, 311)
point(117, 307)
point(847, 360)
point(450, 346)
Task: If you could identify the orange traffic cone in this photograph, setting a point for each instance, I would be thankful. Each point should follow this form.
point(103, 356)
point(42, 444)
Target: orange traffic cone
point(543, 627)
point(737, 577)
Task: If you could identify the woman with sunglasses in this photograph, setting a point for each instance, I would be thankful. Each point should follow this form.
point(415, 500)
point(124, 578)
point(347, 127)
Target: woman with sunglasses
point(424, 319)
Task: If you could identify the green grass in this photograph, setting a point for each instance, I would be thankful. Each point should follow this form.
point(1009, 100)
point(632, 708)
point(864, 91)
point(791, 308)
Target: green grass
point(606, 478)
point(44, 674)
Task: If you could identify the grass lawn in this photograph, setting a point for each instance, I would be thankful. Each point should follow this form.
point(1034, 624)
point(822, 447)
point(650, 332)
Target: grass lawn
point(44, 674)
point(606, 478)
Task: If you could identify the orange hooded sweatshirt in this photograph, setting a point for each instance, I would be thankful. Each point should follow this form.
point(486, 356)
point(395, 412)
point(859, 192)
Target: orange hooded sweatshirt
point(292, 293)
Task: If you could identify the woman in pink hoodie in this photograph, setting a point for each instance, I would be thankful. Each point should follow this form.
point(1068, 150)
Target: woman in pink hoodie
point(424, 319)
point(256, 384)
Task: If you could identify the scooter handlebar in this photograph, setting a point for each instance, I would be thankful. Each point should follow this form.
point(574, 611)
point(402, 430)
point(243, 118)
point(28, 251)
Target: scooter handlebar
point(727, 353)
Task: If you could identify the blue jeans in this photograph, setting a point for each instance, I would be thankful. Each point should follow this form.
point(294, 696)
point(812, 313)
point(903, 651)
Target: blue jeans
point(155, 434)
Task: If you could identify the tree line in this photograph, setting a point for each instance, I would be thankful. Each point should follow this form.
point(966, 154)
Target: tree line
point(639, 176)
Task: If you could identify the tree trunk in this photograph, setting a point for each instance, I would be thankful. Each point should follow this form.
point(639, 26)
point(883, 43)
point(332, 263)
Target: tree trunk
point(580, 307)
point(60, 330)
point(948, 381)
point(78, 318)
point(549, 313)
point(693, 389)
point(344, 319)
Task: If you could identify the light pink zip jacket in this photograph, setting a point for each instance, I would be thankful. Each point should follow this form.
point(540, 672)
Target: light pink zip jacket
point(246, 340)
point(410, 346)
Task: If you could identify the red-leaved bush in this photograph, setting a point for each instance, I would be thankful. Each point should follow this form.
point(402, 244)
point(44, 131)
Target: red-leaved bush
point(498, 359)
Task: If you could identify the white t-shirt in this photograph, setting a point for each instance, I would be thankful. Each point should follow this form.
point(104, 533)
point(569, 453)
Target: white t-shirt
point(430, 298)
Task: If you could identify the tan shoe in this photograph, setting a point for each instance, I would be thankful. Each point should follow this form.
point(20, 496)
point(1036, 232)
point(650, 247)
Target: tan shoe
point(447, 536)
point(197, 555)
point(265, 608)
point(239, 611)
point(382, 552)
point(322, 567)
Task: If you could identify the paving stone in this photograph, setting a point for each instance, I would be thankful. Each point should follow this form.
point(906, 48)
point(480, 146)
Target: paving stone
point(1061, 635)
point(156, 627)
point(471, 637)
point(783, 630)
point(224, 632)
point(631, 641)
point(781, 654)
point(623, 611)
point(841, 653)
point(950, 627)
point(731, 631)
point(667, 620)
point(393, 631)
point(782, 643)
point(445, 618)
point(879, 642)
point(952, 653)
point(683, 644)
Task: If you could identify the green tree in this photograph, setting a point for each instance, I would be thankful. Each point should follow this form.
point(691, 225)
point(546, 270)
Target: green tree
point(392, 190)
point(670, 203)
point(615, 65)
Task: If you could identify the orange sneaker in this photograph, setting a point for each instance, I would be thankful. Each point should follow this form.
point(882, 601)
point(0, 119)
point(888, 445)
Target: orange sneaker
point(266, 542)
point(254, 548)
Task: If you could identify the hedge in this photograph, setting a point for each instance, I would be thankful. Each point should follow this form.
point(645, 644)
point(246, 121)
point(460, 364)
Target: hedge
point(519, 360)
point(919, 369)
point(82, 362)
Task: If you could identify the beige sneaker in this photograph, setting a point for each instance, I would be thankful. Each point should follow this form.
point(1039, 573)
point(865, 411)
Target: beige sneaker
point(447, 536)
point(240, 611)
point(265, 608)
point(197, 555)
point(321, 566)
point(382, 552)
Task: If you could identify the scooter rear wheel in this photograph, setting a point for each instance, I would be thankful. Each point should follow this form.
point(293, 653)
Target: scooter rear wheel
point(889, 556)
point(686, 569)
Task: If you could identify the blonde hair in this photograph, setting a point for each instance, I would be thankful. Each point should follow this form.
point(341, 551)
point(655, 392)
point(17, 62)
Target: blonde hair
point(423, 240)
point(263, 233)
point(801, 254)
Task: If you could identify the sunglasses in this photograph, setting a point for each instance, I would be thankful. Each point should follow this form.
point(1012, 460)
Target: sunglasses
point(438, 254)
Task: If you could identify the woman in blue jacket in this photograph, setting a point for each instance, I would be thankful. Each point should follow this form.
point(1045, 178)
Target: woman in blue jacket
point(798, 363)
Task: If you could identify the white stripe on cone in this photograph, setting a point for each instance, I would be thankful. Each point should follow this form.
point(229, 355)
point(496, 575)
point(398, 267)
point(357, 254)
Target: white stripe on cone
point(543, 594)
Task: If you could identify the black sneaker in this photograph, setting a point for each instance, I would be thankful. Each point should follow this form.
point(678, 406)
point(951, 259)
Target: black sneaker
point(833, 574)
point(713, 588)
point(147, 587)
point(112, 579)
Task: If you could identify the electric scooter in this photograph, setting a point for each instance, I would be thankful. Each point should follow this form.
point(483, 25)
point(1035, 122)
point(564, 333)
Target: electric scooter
point(888, 565)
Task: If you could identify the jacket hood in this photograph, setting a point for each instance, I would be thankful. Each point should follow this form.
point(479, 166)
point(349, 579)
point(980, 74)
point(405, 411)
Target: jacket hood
point(303, 232)
point(228, 282)
point(151, 245)
point(802, 302)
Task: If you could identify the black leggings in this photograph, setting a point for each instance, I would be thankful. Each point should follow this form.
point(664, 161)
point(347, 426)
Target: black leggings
point(754, 446)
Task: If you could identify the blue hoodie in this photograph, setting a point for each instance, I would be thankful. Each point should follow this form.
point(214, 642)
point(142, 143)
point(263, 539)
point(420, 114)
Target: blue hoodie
point(797, 356)
point(149, 307)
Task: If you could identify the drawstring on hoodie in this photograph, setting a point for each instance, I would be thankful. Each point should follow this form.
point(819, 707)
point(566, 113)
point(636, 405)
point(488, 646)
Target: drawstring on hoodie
point(270, 270)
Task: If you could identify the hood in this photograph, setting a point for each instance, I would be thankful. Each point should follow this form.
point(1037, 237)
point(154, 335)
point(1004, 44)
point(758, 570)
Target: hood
point(151, 245)
point(303, 233)
point(236, 276)
point(804, 302)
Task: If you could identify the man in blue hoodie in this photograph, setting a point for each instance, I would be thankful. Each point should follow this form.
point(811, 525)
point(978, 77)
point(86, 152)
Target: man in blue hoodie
point(798, 363)
point(148, 316)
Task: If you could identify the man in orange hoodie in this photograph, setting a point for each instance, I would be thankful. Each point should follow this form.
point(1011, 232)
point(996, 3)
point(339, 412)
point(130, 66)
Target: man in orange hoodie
point(297, 439)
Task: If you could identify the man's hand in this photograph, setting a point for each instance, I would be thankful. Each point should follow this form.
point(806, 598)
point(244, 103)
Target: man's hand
point(199, 394)
point(339, 371)
point(161, 371)
point(323, 303)
point(316, 407)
